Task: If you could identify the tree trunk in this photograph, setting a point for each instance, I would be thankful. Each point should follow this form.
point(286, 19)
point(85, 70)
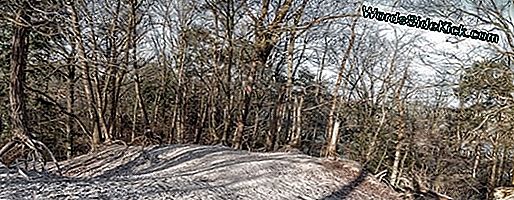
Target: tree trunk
point(230, 23)
point(17, 78)
point(139, 96)
point(271, 134)
point(22, 138)
point(494, 168)
point(279, 137)
point(297, 126)
point(401, 131)
point(86, 80)
point(332, 144)
point(202, 115)
point(255, 137)
point(134, 120)
point(69, 108)
point(227, 122)
point(294, 131)
point(275, 117)
point(329, 149)
point(213, 129)
point(476, 162)
point(238, 135)
point(500, 165)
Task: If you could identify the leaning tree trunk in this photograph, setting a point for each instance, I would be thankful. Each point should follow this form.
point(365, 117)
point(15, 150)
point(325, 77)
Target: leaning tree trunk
point(17, 80)
point(21, 137)
point(330, 147)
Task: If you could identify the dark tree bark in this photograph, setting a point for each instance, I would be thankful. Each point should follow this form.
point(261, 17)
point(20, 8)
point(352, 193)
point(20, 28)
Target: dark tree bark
point(17, 80)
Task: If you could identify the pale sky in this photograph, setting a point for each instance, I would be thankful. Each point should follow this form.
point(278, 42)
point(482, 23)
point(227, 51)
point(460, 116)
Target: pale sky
point(437, 45)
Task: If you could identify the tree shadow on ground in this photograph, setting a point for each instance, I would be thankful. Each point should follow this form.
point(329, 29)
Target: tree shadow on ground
point(345, 191)
point(148, 161)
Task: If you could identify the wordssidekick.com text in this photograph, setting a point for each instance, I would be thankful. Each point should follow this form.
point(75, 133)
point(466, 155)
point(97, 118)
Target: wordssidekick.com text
point(426, 24)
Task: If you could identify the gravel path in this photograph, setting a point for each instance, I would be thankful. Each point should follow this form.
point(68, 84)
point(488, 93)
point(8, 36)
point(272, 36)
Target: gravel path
point(197, 172)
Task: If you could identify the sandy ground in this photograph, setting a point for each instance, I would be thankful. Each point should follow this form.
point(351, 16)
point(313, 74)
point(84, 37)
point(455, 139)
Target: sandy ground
point(196, 172)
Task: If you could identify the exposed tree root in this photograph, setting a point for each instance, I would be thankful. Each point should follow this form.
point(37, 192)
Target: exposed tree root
point(27, 150)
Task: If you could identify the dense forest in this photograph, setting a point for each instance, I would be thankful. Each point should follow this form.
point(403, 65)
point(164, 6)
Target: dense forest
point(263, 75)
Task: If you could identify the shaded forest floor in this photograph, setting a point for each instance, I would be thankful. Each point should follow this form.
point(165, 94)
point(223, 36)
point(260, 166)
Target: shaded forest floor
point(197, 172)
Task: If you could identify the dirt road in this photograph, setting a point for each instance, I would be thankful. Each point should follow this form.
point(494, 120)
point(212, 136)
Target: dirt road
point(197, 172)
